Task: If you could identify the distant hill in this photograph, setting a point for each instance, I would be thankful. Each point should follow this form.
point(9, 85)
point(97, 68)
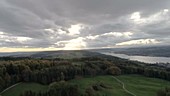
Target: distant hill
point(16, 54)
point(52, 54)
point(64, 54)
point(156, 51)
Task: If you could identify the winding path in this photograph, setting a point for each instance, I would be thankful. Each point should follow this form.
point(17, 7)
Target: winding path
point(10, 88)
point(123, 86)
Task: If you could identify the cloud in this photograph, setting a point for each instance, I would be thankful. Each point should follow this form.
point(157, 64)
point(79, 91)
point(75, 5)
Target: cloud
point(138, 42)
point(75, 29)
point(74, 44)
point(95, 23)
point(152, 19)
point(18, 41)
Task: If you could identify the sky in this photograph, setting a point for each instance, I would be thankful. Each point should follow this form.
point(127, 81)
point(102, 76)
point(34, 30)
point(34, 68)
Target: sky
point(37, 25)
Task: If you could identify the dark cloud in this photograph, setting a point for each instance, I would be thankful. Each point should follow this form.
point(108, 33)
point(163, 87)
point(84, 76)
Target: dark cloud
point(32, 18)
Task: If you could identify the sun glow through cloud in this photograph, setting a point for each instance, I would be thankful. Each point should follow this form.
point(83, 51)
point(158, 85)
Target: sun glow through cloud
point(75, 29)
point(23, 39)
point(136, 16)
point(1, 33)
point(73, 44)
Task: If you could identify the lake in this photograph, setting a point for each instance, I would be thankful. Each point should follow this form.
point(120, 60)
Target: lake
point(146, 59)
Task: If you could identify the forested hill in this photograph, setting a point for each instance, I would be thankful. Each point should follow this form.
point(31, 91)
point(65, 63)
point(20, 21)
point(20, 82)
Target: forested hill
point(156, 51)
point(66, 54)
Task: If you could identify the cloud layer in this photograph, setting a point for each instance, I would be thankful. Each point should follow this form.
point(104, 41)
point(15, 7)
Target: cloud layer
point(77, 24)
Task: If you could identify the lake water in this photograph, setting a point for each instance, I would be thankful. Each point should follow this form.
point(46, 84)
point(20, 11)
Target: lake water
point(146, 59)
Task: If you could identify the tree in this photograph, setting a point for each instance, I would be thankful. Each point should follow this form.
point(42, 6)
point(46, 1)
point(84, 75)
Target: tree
point(63, 88)
point(113, 71)
point(2, 84)
point(7, 79)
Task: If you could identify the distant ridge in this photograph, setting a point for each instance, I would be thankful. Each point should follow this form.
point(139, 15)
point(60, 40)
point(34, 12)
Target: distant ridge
point(155, 51)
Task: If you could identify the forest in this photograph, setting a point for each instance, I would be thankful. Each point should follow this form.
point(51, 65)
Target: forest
point(55, 72)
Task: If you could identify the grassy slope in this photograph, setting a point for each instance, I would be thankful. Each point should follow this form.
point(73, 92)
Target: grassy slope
point(107, 80)
point(141, 86)
point(16, 91)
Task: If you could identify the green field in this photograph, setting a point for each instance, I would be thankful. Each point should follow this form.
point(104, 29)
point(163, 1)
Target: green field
point(139, 85)
point(17, 90)
point(115, 88)
point(143, 86)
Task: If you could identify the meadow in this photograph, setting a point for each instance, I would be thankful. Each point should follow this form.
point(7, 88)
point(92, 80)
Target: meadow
point(108, 86)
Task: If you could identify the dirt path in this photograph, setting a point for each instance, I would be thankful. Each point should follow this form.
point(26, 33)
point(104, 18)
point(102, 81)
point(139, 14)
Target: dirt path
point(10, 88)
point(123, 86)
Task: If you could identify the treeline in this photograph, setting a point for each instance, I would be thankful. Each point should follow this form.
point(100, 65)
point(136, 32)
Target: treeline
point(57, 89)
point(63, 88)
point(7, 58)
point(146, 71)
point(48, 71)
